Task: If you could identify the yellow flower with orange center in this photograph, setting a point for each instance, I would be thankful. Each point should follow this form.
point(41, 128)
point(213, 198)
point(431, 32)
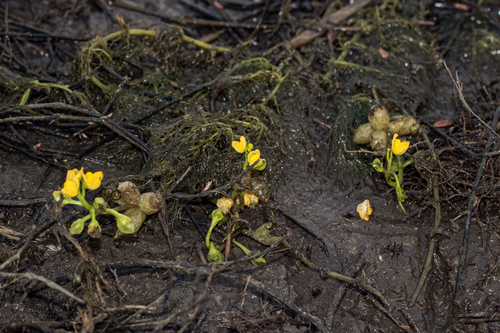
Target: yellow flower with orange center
point(399, 147)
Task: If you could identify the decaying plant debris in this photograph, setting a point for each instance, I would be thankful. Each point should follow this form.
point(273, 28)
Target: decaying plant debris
point(155, 103)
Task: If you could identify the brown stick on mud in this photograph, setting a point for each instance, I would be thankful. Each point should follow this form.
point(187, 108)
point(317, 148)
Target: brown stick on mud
point(49, 283)
point(330, 20)
point(433, 236)
point(187, 21)
point(472, 199)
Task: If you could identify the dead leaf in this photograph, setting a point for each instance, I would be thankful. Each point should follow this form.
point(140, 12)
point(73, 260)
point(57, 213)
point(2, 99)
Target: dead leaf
point(461, 6)
point(383, 53)
point(443, 123)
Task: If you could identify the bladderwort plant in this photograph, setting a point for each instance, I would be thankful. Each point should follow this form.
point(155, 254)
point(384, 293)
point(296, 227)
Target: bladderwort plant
point(396, 163)
point(237, 202)
point(77, 182)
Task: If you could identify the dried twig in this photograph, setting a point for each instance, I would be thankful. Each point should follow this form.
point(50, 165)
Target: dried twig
point(459, 85)
point(472, 198)
point(434, 237)
point(49, 283)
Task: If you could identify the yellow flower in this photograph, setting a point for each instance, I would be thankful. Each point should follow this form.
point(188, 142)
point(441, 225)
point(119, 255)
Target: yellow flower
point(365, 210)
point(70, 189)
point(399, 147)
point(225, 204)
point(92, 180)
point(71, 185)
point(239, 146)
point(254, 156)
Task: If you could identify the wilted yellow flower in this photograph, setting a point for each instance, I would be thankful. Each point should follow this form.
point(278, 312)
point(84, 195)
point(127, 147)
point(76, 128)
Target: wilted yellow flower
point(399, 147)
point(92, 180)
point(254, 156)
point(250, 199)
point(239, 146)
point(225, 204)
point(365, 210)
point(71, 185)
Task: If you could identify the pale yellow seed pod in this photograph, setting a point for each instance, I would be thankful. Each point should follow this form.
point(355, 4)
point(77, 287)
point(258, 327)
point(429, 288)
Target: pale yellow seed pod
point(403, 125)
point(129, 193)
point(225, 204)
point(379, 117)
point(378, 140)
point(149, 203)
point(363, 134)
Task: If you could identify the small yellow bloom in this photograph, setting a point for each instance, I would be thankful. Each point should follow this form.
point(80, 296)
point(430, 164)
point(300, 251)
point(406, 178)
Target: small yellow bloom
point(239, 146)
point(70, 189)
point(365, 210)
point(92, 180)
point(71, 185)
point(399, 147)
point(225, 204)
point(254, 156)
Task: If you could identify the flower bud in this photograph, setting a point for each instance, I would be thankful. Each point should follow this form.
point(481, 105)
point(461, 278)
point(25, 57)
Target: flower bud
point(94, 229)
point(77, 226)
point(122, 221)
point(377, 165)
point(57, 195)
point(214, 255)
point(137, 218)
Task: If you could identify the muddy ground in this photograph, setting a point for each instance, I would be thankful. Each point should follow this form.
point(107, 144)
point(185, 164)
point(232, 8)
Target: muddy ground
point(132, 284)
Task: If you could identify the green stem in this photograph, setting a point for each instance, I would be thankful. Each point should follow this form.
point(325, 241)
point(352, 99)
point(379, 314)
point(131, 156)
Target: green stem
point(141, 32)
point(81, 198)
point(400, 170)
point(275, 90)
point(68, 201)
point(98, 83)
point(55, 85)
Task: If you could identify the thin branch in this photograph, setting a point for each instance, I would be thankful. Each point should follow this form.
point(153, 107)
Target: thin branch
point(459, 87)
point(472, 199)
point(49, 283)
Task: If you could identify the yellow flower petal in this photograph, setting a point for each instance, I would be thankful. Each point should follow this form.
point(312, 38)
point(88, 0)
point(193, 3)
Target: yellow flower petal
point(92, 180)
point(225, 204)
point(239, 146)
point(254, 156)
point(72, 176)
point(70, 189)
point(399, 147)
point(365, 210)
